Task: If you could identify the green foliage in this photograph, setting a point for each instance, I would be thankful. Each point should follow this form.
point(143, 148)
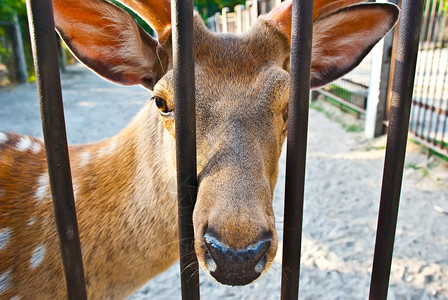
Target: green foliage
point(209, 7)
point(136, 17)
point(9, 7)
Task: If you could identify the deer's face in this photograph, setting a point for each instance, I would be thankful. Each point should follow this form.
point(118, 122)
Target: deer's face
point(241, 104)
point(242, 85)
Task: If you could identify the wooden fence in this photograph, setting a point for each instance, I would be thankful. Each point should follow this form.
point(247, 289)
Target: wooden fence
point(241, 18)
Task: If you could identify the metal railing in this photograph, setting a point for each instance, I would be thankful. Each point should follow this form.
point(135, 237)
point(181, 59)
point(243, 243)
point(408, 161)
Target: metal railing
point(429, 116)
point(43, 41)
point(44, 46)
point(184, 100)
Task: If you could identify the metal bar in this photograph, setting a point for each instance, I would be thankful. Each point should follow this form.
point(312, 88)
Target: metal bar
point(402, 89)
point(442, 23)
point(426, 75)
point(444, 126)
point(435, 149)
point(344, 102)
point(43, 39)
point(433, 77)
point(184, 102)
point(436, 109)
point(420, 66)
point(392, 68)
point(361, 85)
point(301, 40)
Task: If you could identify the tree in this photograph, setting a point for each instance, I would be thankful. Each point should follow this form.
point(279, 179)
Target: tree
point(8, 9)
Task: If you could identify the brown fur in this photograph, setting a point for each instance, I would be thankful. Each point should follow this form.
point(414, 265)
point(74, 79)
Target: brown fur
point(125, 186)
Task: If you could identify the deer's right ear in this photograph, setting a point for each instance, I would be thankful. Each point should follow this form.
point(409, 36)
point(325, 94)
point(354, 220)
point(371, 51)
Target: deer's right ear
point(343, 38)
point(343, 33)
point(107, 40)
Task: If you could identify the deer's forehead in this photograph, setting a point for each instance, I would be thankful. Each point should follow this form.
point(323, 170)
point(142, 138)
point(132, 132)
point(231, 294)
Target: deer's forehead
point(261, 45)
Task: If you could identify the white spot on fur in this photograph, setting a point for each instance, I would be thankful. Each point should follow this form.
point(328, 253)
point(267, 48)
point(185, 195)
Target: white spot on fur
point(5, 282)
point(15, 298)
point(84, 157)
point(3, 137)
point(108, 149)
point(31, 221)
point(38, 256)
point(43, 184)
point(5, 235)
point(36, 147)
point(24, 144)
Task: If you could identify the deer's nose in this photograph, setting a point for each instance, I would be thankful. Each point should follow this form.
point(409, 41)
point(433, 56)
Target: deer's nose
point(235, 266)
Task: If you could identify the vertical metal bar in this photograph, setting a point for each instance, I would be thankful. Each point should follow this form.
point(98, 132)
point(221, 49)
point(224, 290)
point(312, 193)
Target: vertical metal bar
point(385, 77)
point(421, 68)
point(427, 73)
point(444, 126)
point(185, 120)
point(43, 38)
point(438, 109)
point(301, 40)
point(433, 69)
point(403, 84)
point(426, 76)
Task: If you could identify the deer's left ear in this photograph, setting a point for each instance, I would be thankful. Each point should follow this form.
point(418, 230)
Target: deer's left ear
point(107, 40)
point(342, 39)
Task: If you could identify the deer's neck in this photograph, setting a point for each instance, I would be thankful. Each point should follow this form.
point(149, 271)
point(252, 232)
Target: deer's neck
point(125, 189)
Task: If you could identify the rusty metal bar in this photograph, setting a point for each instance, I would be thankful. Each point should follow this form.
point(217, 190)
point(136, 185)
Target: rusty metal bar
point(403, 84)
point(301, 40)
point(426, 75)
point(433, 69)
point(421, 66)
point(444, 126)
point(43, 39)
point(184, 102)
point(343, 102)
point(426, 37)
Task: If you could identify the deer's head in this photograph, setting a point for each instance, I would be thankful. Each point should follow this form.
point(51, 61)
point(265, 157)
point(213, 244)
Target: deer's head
point(242, 89)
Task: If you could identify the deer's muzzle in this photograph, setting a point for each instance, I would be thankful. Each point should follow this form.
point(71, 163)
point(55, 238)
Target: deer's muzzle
point(235, 266)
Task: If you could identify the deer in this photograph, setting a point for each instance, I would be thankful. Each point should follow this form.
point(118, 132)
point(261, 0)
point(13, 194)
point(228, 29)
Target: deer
point(123, 186)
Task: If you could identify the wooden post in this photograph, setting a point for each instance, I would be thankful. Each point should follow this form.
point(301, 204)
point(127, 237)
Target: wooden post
point(225, 10)
point(239, 18)
point(218, 22)
point(379, 91)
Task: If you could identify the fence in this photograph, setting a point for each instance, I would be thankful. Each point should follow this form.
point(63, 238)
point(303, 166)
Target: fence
point(364, 85)
point(45, 51)
point(242, 18)
point(430, 104)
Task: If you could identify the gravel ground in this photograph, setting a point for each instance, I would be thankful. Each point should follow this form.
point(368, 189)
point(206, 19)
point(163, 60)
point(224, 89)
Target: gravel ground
point(343, 183)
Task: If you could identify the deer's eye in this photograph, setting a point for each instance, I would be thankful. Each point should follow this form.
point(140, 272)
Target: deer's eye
point(162, 106)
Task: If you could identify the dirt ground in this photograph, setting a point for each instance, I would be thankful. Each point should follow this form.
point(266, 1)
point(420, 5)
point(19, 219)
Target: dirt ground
point(343, 184)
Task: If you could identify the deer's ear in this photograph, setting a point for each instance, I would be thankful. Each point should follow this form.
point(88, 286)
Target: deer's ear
point(343, 38)
point(107, 40)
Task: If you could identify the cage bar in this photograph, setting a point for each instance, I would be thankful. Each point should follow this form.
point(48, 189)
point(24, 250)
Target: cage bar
point(403, 84)
point(185, 118)
point(301, 40)
point(43, 39)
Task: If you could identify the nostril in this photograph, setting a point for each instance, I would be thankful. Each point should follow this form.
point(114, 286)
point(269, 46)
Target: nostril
point(235, 266)
point(222, 253)
point(257, 251)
